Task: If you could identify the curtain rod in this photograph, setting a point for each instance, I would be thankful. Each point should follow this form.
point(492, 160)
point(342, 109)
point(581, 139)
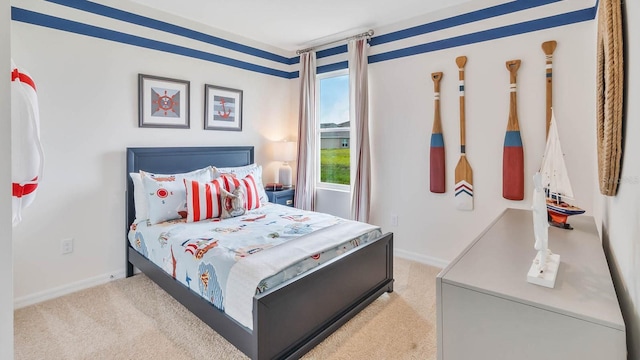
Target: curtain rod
point(364, 34)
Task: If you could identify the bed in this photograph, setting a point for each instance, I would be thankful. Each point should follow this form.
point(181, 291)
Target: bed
point(290, 318)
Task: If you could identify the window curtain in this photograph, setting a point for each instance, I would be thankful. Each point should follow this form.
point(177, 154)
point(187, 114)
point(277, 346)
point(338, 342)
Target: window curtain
point(306, 171)
point(360, 153)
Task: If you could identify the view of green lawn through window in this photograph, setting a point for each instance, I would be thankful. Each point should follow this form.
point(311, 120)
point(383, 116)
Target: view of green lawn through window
point(335, 166)
point(334, 129)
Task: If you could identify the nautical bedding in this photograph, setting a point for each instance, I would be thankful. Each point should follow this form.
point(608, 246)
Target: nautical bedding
point(228, 261)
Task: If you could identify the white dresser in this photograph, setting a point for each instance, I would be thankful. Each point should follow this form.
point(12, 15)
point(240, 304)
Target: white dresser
point(487, 310)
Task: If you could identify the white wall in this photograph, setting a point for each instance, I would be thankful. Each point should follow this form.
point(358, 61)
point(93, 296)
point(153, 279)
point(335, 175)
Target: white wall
point(88, 94)
point(620, 214)
point(6, 255)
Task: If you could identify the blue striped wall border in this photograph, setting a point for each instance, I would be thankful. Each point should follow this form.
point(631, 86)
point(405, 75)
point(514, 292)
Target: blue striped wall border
point(486, 35)
point(49, 21)
point(462, 19)
point(36, 18)
point(132, 18)
point(473, 16)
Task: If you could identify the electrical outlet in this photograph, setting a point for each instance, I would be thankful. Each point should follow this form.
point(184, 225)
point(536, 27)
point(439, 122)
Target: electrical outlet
point(394, 220)
point(67, 246)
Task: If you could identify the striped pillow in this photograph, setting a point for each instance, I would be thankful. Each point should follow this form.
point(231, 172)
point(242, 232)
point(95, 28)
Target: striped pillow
point(203, 200)
point(248, 184)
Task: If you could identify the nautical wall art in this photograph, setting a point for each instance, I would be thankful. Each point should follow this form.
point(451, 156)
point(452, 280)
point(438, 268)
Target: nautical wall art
point(222, 108)
point(464, 174)
point(163, 102)
point(513, 153)
point(436, 155)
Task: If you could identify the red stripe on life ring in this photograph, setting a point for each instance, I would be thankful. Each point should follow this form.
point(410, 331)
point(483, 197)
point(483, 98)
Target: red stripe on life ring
point(15, 74)
point(22, 190)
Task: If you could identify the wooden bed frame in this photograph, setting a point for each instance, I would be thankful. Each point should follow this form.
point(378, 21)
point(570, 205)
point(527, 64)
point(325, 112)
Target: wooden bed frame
point(288, 320)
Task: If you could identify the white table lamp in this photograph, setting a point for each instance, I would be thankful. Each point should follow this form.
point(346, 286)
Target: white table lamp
point(284, 151)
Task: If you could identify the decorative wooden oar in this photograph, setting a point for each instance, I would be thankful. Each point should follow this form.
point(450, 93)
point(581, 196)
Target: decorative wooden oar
point(549, 47)
point(513, 154)
point(436, 155)
point(464, 174)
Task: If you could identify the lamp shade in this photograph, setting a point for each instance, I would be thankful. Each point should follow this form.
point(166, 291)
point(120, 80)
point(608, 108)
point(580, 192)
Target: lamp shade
point(284, 151)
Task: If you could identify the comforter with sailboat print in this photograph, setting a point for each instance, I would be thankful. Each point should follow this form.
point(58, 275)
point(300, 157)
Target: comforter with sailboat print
point(228, 261)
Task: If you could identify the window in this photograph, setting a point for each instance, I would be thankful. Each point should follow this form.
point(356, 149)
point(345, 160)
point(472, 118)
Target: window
point(334, 129)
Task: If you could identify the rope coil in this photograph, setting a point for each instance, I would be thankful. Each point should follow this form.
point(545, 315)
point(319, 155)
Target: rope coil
point(610, 88)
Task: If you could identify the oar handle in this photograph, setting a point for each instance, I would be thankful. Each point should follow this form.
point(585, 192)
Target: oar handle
point(513, 66)
point(549, 47)
point(461, 61)
point(436, 77)
point(437, 126)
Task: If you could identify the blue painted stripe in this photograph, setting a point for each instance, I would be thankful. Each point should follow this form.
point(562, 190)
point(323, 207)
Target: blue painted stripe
point(464, 191)
point(437, 140)
point(461, 87)
point(512, 139)
point(294, 60)
point(458, 20)
point(549, 74)
point(462, 149)
point(486, 35)
point(332, 51)
point(332, 67)
point(132, 18)
point(35, 18)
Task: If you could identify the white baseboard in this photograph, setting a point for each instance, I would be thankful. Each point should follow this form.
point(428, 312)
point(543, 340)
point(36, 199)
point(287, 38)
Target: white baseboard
point(424, 259)
point(66, 289)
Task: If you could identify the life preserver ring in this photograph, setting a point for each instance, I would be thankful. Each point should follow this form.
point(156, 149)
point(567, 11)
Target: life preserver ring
point(610, 89)
point(27, 158)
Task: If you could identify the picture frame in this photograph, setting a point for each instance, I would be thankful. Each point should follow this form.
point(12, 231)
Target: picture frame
point(163, 102)
point(222, 108)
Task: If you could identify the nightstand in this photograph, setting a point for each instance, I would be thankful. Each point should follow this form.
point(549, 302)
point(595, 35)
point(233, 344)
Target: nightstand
point(282, 197)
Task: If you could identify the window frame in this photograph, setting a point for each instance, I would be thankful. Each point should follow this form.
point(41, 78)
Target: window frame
point(318, 133)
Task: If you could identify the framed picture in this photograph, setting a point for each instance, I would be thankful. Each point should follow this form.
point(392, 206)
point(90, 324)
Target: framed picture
point(222, 108)
point(162, 102)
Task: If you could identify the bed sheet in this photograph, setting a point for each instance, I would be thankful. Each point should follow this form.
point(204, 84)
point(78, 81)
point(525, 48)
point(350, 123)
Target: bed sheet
point(234, 259)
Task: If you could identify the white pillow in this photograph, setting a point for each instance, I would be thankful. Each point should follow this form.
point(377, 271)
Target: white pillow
point(166, 194)
point(139, 198)
point(241, 172)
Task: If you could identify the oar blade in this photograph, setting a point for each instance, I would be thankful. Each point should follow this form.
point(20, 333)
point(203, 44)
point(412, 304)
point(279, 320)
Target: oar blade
point(464, 185)
point(436, 164)
point(513, 167)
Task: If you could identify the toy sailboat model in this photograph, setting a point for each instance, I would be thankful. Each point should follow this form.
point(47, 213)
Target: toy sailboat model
point(555, 180)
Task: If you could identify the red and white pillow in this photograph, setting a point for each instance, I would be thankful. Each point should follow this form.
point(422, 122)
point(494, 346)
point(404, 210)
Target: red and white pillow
point(248, 185)
point(204, 200)
point(241, 172)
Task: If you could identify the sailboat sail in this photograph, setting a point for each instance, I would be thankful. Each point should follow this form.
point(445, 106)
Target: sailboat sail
point(555, 177)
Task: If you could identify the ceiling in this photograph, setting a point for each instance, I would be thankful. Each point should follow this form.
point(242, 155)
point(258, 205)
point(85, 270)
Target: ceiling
point(294, 24)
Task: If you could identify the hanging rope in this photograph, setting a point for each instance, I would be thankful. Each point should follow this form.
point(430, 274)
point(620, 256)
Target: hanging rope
point(610, 88)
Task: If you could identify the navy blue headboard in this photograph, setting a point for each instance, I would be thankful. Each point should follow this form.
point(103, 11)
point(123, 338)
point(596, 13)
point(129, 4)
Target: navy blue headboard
point(172, 160)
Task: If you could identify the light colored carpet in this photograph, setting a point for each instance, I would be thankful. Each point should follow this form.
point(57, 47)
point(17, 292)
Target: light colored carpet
point(134, 319)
